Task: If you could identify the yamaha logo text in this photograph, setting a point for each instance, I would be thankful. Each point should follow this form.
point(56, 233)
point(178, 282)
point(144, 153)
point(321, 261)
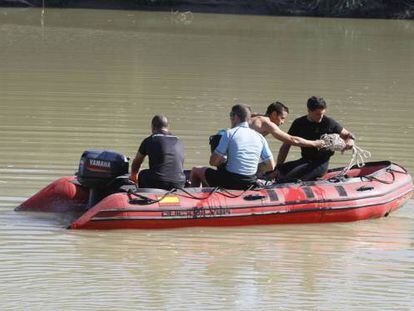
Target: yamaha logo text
point(100, 163)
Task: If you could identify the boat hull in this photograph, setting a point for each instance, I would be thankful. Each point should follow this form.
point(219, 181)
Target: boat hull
point(372, 192)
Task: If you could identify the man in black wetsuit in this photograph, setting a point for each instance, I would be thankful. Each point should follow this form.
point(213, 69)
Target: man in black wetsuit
point(314, 162)
point(166, 158)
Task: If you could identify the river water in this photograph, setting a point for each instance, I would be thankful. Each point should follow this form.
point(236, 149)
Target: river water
point(71, 80)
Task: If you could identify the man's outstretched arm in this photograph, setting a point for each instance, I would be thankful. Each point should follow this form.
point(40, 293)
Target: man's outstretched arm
point(292, 140)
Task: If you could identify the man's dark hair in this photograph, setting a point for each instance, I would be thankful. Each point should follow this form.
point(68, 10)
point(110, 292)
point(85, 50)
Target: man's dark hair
point(278, 107)
point(159, 122)
point(315, 103)
point(242, 111)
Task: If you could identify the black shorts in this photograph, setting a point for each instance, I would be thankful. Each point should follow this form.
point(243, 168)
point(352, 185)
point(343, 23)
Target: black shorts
point(302, 169)
point(223, 178)
point(147, 180)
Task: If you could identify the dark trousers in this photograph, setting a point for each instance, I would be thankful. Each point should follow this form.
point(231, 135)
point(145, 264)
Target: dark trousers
point(223, 178)
point(302, 169)
point(146, 179)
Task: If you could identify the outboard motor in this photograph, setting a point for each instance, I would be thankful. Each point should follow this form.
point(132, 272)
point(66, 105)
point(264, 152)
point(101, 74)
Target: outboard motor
point(103, 171)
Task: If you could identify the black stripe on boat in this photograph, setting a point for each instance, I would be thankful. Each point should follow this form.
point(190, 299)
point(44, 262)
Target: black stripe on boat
point(309, 193)
point(272, 195)
point(341, 191)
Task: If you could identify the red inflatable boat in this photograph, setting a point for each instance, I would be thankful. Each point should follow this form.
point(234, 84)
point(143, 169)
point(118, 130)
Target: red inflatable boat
point(372, 191)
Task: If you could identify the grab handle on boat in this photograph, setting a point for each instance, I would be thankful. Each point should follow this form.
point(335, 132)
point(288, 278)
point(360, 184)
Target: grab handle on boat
point(253, 197)
point(365, 188)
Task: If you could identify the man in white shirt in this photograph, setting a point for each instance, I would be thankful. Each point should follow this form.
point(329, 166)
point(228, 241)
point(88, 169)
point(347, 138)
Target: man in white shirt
point(243, 149)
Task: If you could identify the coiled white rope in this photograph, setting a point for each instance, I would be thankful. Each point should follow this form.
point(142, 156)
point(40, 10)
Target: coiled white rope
point(334, 142)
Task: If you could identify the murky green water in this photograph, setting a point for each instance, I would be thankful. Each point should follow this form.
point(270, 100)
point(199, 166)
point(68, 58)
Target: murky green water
point(79, 79)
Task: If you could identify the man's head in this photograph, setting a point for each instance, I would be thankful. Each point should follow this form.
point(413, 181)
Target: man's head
point(239, 113)
point(277, 113)
point(159, 123)
point(316, 108)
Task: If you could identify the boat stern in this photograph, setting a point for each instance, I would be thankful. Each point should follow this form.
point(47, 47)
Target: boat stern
point(60, 196)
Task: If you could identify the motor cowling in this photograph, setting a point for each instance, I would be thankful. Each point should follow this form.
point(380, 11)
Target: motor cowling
point(99, 168)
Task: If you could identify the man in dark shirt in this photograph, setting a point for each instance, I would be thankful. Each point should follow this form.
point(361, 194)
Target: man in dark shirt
point(166, 158)
point(314, 162)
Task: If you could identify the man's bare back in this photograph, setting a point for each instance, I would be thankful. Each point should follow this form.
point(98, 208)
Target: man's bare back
point(261, 124)
point(269, 124)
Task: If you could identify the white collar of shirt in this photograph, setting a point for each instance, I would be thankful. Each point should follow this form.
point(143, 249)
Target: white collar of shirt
point(243, 124)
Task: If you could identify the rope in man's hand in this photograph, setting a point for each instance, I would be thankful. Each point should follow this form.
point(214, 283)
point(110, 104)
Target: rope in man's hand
point(334, 142)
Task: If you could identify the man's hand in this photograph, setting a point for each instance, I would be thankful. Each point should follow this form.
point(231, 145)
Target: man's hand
point(133, 177)
point(135, 166)
point(349, 144)
point(320, 144)
point(349, 139)
point(216, 159)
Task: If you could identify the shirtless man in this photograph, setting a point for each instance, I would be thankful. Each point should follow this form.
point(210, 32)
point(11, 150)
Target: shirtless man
point(269, 123)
